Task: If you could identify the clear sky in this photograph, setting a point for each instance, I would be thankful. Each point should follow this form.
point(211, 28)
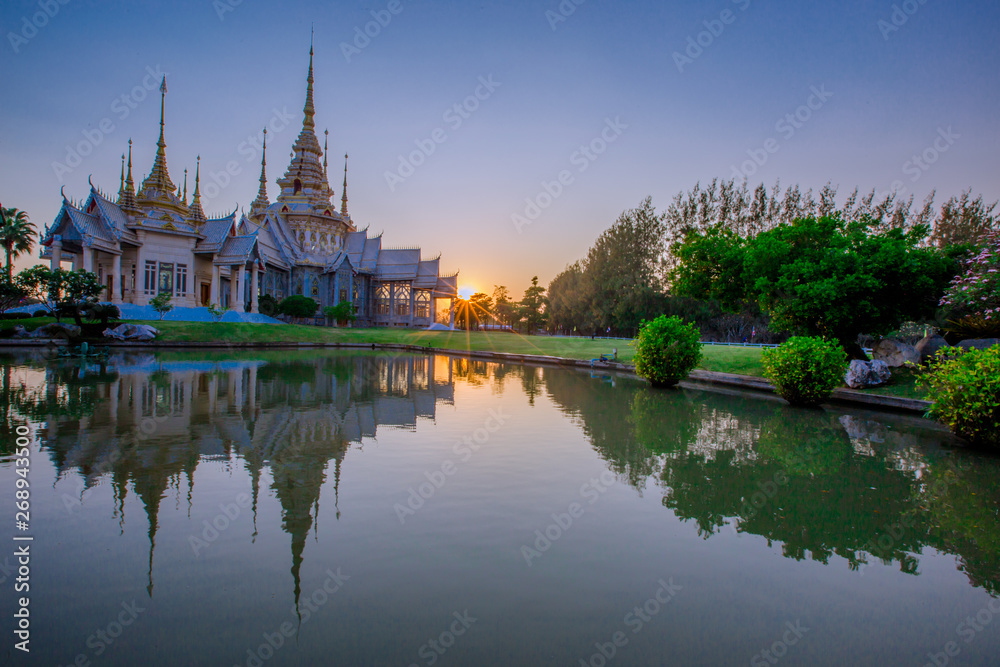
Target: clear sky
point(664, 94)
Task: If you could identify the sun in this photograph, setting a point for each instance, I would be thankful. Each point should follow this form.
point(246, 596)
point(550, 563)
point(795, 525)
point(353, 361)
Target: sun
point(466, 292)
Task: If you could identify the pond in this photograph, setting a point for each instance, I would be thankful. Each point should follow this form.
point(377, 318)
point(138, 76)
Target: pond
point(350, 508)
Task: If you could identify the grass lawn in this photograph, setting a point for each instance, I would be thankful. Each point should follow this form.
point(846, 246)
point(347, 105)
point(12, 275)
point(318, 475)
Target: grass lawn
point(718, 358)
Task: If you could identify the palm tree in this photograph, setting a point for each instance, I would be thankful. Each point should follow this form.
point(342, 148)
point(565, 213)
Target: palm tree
point(17, 235)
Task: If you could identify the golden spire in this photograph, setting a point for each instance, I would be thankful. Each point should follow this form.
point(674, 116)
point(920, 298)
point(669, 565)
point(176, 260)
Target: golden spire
point(159, 178)
point(184, 199)
point(343, 197)
point(197, 214)
point(326, 142)
point(305, 179)
point(309, 109)
point(261, 202)
point(121, 188)
point(127, 201)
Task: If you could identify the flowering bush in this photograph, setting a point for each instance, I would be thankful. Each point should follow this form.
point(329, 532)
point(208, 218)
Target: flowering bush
point(974, 294)
point(965, 388)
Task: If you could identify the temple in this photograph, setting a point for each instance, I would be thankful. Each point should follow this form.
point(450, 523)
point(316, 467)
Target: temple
point(153, 241)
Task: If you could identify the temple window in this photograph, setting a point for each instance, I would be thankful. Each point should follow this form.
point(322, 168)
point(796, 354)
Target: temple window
point(149, 282)
point(298, 186)
point(181, 282)
point(422, 304)
point(402, 299)
point(383, 298)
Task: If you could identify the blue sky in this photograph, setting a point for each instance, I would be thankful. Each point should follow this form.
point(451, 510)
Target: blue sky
point(664, 94)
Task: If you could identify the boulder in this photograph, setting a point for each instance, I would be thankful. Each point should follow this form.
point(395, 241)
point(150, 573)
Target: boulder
point(979, 343)
point(20, 332)
point(895, 354)
point(56, 330)
point(139, 332)
point(862, 374)
point(929, 346)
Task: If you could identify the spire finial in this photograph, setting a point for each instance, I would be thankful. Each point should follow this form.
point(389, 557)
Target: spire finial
point(158, 182)
point(121, 188)
point(128, 200)
point(261, 202)
point(185, 198)
point(343, 197)
point(163, 96)
point(326, 142)
point(309, 109)
point(197, 214)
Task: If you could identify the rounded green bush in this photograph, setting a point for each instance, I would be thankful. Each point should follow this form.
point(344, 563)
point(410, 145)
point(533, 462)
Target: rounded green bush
point(805, 369)
point(965, 388)
point(666, 350)
point(298, 306)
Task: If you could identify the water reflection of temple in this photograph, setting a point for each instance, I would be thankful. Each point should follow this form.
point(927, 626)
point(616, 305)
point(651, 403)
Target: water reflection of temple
point(147, 424)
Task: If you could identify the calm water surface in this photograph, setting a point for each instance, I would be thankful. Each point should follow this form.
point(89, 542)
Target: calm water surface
point(366, 509)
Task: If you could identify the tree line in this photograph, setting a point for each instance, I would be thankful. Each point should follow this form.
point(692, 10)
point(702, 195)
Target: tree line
point(726, 257)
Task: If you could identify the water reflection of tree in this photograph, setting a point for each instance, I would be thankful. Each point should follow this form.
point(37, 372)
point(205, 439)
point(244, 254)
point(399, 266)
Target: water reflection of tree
point(794, 477)
point(961, 498)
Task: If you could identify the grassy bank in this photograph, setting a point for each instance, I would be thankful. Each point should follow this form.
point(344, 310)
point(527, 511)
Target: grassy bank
point(721, 359)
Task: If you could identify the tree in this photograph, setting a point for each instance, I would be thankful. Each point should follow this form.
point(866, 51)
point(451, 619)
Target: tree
point(17, 235)
point(298, 306)
point(821, 277)
point(161, 303)
point(471, 312)
point(568, 301)
point(342, 313)
point(61, 291)
point(503, 307)
point(625, 269)
point(974, 294)
point(216, 312)
point(12, 293)
point(530, 309)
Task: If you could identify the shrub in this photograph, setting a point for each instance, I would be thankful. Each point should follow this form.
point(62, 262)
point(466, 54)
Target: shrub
point(805, 369)
point(103, 313)
point(965, 388)
point(342, 313)
point(161, 303)
point(15, 316)
point(216, 312)
point(267, 305)
point(298, 306)
point(41, 313)
point(666, 350)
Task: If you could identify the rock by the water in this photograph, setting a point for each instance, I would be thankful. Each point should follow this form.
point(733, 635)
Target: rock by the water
point(139, 332)
point(895, 354)
point(56, 330)
point(862, 374)
point(20, 332)
point(929, 346)
point(979, 343)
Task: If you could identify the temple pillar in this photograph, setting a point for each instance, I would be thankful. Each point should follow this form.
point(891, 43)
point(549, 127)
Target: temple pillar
point(139, 296)
point(56, 251)
point(254, 287)
point(451, 313)
point(88, 257)
point(116, 279)
point(236, 281)
point(214, 296)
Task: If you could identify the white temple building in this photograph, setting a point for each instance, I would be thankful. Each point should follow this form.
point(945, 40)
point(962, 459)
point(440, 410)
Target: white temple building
point(153, 241)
